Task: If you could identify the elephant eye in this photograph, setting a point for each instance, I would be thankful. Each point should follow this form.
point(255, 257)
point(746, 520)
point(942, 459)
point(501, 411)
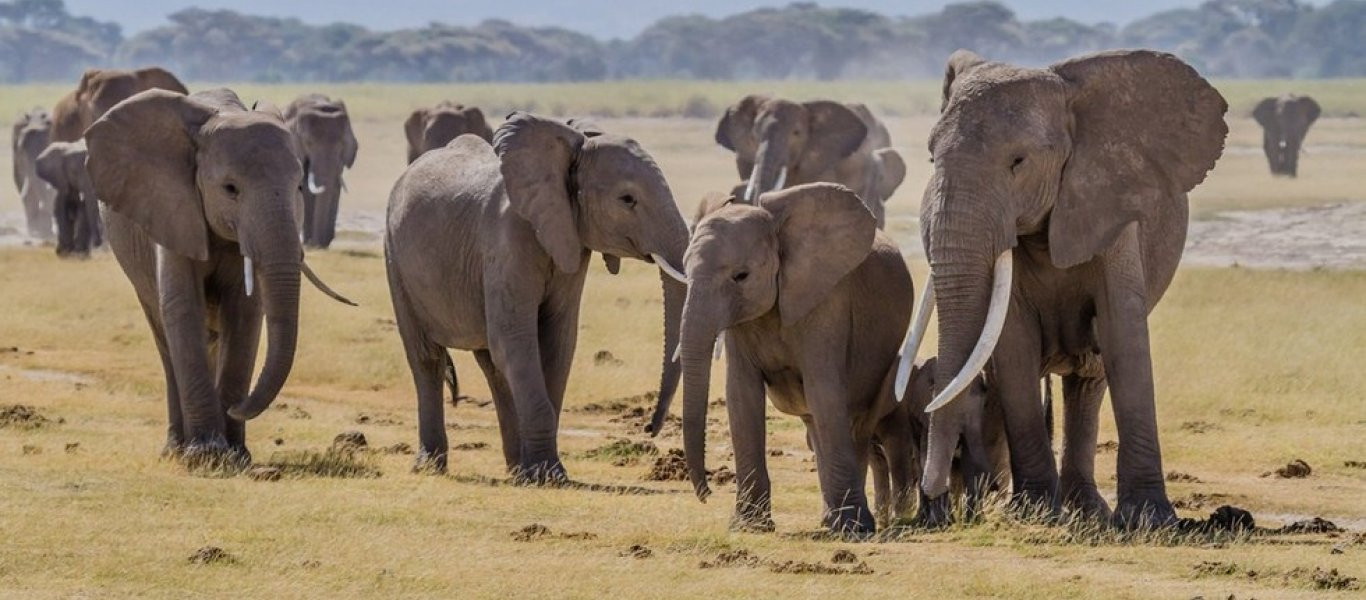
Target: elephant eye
point(741, 276)
point(628, 200)
point(1016, 163)
point(230, 189)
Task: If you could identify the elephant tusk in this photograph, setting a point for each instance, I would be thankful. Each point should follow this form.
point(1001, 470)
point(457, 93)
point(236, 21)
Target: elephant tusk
point(751, 186)
point(343, 184)
point(919, 326)
point(1002, 273)
point(669, 269)
point(782, 179)
point(678, 350)
point(23, 190)
point(313, 186)
point(322, 287)
point(248, 274)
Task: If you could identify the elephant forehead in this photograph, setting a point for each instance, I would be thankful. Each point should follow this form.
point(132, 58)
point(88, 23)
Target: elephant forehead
point(731, 234)
point(616, 157)
point(988, 109)
point(247, 138)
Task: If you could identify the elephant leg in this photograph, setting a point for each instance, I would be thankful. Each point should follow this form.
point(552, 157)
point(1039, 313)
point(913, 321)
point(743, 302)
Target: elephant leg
point(239, 324)
point(1271, 146)
point(82, 234)
point(1122, 319)
point(745, 406)
point(64, 215)
point(559, 336)
point(1016, 367)
point(425, 361)
point(1293, 145)
point(516, 349)
point(329, 212)
point(1082, 397)
point(841, 464)
point(507, 411)
point(183, 311)
point(895, 447)
point(882, 487)
point(93, 222)
point(310, 206)
point(175, 424)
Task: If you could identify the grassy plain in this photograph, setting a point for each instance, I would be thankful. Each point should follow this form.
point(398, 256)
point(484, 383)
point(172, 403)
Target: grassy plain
point(1255, 368)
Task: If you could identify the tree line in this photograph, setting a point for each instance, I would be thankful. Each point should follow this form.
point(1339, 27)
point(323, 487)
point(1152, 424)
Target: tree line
point(41, 41)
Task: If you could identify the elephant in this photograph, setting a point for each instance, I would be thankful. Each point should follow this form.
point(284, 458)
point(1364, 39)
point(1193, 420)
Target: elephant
point(487, 250)
point(435, 127)
point(98, 91)
point(1054, 221)
point(810, 298)
point(982, 463)
point(200, 192)
point(328, 146)
point(779, 143)
point(76, 209)
point(31, 133)
point(1285, 120)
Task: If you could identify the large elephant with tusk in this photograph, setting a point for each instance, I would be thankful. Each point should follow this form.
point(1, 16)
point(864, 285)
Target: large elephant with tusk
point(201, 197)
point(1285, 120)
point(327, 144)
point(487, 248)
point(779, 143)
point(1053, 223)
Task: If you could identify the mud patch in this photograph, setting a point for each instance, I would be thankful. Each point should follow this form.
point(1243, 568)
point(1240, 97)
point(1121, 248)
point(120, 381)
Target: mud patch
point(623, 452)
point(536, 532)
point(748, 560)
point(616, 405)
point(350, 441)
point(468, 446)
point(211, 555)
point(1108, 446)
point(1295, 469)
point(844, 557)
point(1179, 477)
point(1314, 525)
point(637, 551)
point(386, 419)
point(24, 417)
point(799, 567)
point(1355, 464)
point(604, 358)
point(1199, 427)
point(673, 466)
point(1200, 500)
point(731, 559)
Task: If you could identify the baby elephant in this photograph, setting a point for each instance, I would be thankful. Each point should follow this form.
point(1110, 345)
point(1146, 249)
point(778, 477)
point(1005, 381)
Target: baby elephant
point(76, 210)
point(487, 249)
point(806, 289)
point(434, 127)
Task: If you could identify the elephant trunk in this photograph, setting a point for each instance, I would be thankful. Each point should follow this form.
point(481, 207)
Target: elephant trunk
point(278, 261)
point(675, 293)
point(324, 181)
point(698, 332)
point(770, 168)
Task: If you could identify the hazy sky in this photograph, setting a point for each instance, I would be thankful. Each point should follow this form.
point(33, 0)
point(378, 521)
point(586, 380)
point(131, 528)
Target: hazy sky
point(601, 18)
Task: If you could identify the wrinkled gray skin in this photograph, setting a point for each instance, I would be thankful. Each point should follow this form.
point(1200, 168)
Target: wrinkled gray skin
point(487, 248)
point(98, 91)
point(193, 184)
point(435, 127)
point(980, 464)
point(811, 299)
point(30, 136)
point(76, 210)
point(1285, 120)
point(817, 141)
point(1082, 168)
point(328, 146)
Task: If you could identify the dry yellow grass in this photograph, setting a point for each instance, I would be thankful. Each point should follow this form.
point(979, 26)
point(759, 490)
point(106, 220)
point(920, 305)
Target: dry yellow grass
point(1270, 359)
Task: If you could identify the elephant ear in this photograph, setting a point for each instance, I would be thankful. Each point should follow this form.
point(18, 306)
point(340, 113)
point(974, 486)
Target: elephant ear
point(161, 79)
point(51, 165)
point(1146, 128)
point(891, 171)
point(412, 129)
point(824, 232)
point(141, 158)
point(1265, 112)
point(960, 62)
point(1311, 109)
point(478, 123)
point(735, 130)
point(836, 132)
point(349, 144)
point(536, 156)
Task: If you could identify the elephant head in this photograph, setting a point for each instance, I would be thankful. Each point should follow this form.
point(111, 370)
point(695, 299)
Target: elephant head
point(778, 142)
point(584, 189)
point(201, 172)
point(1285, 121)
point(779, 258)
point(322, 128)
point(76, 212)
point(429, 128)
point(1067, 156)
point(99, 90)
point(31, 134)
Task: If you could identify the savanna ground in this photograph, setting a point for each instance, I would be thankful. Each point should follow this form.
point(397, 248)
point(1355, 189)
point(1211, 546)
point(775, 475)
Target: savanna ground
point(1255, 368)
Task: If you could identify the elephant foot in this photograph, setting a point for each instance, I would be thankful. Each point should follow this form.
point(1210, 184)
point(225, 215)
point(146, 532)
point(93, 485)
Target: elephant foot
point(1036, 503)
point(1148, 513)
point(537, 473)
point(214, 457)
point(174, 448)
point(934, 513)
point(752, 524)
point(430, 462)
point(853, 522)
point(1085, 502)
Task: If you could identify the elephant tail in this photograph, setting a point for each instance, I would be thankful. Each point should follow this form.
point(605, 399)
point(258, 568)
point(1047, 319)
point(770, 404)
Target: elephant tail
point(448, 373)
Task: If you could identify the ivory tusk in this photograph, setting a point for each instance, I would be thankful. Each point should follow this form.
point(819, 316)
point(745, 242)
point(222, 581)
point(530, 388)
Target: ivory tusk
point(782, 179)
point(669, 269)
point(1002, 274)
point(322, 287)
point(23, 190)
point(752, 185)
point(248, 274)
point(914, 338)
point(313, 186)
point(343, 184)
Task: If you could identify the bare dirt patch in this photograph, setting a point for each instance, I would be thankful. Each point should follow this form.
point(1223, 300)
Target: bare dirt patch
point(537, 531)
point(1331, 236)
point(211, 555)
point(1295, 469)
point(24, 418)
point(673, 466)
point(623, 452)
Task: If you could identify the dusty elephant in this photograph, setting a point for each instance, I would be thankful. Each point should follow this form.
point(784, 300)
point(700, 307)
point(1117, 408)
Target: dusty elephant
point(779, 143)
point(813, 303)
point(328, 146)
point(1054, 221)
point(98, 91)
point(434, 127)
point(487, 250)
point(30, 137)
point(201, 195)
point(76, 210)
point(1285, 120)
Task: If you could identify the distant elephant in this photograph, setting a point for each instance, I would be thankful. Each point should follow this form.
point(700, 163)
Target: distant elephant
point(201, 192)
point(779, 143)
point(429, 128)
point(812, 300)
point(1053, 223)
point(98, 91)
point(1285, 120)
point(979, 464)
point(31, 132)
point(487, 250)
point(76, 209)
point(328, 146)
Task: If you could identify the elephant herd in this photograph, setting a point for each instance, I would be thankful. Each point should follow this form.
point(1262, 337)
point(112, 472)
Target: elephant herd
point(1054, 221)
